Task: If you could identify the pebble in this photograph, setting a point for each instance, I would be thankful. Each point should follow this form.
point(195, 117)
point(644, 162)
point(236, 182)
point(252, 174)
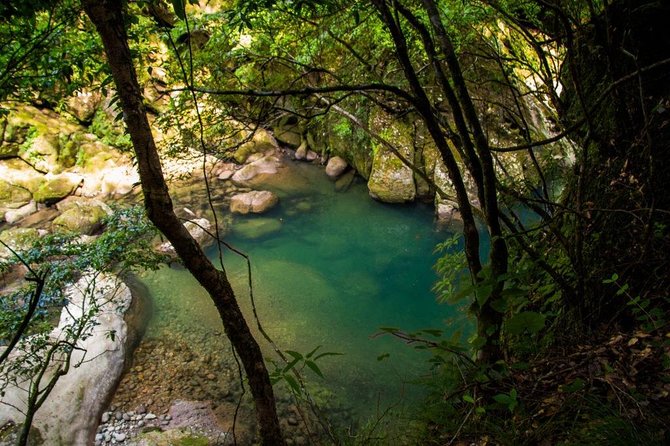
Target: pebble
point(141, 409)
point(121, 437)
point(292, 421)
point(150, 416)
point(105, 418)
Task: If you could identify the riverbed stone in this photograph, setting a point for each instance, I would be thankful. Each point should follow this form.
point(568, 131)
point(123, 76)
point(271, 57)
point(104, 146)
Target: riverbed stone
point(255, 202)
point(264, 165)
point(336, 166)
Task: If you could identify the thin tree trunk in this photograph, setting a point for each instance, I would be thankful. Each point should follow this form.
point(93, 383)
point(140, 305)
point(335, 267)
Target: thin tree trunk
point(423, 107)
point(107, 17)
point(490, 321)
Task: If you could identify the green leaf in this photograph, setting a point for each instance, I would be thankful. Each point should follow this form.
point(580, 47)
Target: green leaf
point(328, 354)
point(315, 368)
point(295, 354)
point(483, 292)
point(530, 321)
point(575, 386)
point(309, 355)
point(468, 399)
point(383, 356)
point(179, 8)
point(292, 383)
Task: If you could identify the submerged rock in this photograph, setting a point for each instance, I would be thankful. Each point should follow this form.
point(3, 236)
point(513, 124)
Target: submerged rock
point(257, 228)
point(255, 202)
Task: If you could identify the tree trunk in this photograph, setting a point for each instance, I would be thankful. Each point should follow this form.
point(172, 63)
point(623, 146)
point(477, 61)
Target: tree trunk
point(107, 17)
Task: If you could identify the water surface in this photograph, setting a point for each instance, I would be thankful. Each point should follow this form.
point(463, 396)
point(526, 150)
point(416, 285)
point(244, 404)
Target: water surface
point(334, 268)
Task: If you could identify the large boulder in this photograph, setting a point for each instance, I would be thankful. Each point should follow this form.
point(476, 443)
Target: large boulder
point(71, 412)
point(255, 202)
point(262, 141)
point(264, 165)
point(42, 153)
point(81, 216)
point(336, 167)
point(56, 187)
point(84, 104)
point(391, 181)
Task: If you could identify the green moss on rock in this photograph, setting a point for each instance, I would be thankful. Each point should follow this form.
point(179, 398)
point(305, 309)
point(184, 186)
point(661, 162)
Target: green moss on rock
point(18, 239)
point(82, 218)
point(55, 189)
point(12, 196)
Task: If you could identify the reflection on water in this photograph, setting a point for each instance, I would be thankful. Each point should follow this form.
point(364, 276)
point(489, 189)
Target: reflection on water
point(331, 270)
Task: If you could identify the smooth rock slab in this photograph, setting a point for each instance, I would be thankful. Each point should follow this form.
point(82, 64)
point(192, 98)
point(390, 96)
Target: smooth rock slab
point(255, 202)
point(71, 412)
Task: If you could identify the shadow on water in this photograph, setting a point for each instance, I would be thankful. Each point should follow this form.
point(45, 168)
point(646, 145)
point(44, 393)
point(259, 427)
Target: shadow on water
point(329, 269)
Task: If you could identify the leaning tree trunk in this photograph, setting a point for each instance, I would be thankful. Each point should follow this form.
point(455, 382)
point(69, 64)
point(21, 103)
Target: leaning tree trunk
point(107, 17)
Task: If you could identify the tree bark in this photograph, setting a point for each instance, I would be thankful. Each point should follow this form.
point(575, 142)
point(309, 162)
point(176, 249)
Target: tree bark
point(107, 16)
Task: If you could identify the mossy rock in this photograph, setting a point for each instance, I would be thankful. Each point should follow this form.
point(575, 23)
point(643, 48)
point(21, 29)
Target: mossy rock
point(82, 218)
point(18, 239)
point(261, 142)
point(41, 152)
point(12, 196)
point(55, 189)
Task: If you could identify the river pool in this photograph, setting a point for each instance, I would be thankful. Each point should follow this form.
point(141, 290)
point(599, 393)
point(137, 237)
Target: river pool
point(329, 269)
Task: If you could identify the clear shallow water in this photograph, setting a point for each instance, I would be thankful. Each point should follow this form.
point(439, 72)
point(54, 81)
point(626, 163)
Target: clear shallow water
point(339, 267)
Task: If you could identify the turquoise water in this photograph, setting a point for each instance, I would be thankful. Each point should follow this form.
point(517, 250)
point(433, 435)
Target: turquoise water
point(333, 268)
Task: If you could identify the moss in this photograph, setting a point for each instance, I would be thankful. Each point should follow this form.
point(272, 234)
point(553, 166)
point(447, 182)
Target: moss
point(18, 238)
point(81, 219)
point(193, 441)
point(54, 190)
point(109, 133)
